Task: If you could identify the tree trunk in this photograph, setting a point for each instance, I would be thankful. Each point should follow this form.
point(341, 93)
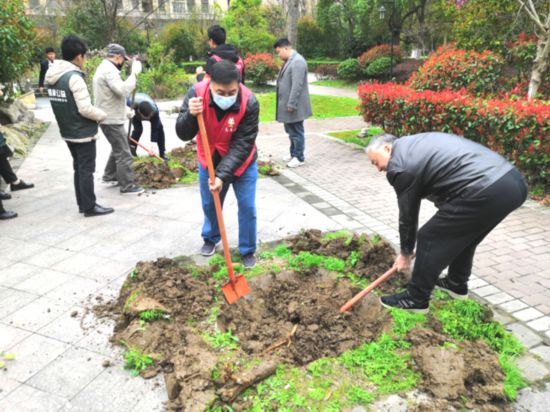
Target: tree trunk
point(540, 64)
point(292, 25)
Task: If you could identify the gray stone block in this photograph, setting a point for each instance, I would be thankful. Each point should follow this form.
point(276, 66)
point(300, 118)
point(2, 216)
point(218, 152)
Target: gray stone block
point(525, 335)
point(543, 351)
point(531, 368)
point(533, 400)
point(28, 399)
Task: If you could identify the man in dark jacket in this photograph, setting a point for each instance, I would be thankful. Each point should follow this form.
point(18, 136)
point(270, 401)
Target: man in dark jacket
point(220, 51)
point(474, 190)
point(44, 66)
point(145, 109)
point(231, 115)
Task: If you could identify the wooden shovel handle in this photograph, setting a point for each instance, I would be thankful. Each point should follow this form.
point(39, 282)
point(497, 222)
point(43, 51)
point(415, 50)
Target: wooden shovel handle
point(347, 306)
point(216, 195)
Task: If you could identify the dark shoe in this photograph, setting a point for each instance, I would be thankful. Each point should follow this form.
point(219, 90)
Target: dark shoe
point(7, 214)
point(21, 186)
point(404, 301)
point(209, 248)
point(455, 290)
point(133, 150)
point(164, 157)
point(4, 196)
point(111, 182)
point(133, 190)
point(249, 261)
point(98, 211)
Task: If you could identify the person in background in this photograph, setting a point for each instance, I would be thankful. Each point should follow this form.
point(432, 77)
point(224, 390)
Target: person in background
point(145, 109)
point(220, 51)
point(78, 121)
point(110, 94)
point(293, 104)
point(7, 172)
point(44, 66)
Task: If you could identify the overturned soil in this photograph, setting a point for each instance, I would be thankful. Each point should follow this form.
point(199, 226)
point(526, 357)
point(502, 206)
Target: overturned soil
point(154, 175)
point(268, 168)
point(464, 370)
point(291, 317)
point(186, 156)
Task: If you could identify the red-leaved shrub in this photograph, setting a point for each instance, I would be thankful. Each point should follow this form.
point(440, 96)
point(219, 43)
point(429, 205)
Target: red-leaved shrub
point(383, 50)
point(260, 68)
point(519, 130)
point(455, 69)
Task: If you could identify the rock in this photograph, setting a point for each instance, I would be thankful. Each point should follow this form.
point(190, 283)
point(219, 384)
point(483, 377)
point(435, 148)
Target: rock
point(74, 313)
point(16, 112)
point(106, 363)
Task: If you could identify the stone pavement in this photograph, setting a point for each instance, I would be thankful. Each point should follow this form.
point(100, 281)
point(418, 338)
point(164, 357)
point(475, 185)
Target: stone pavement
point(55, 264)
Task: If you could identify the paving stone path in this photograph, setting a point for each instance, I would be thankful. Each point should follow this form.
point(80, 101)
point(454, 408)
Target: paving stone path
point(56, 264)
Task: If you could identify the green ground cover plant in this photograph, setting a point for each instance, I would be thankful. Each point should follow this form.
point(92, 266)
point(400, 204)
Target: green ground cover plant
point(351, 136)
point(136, 361)
point(152, 315)
point(323, 107)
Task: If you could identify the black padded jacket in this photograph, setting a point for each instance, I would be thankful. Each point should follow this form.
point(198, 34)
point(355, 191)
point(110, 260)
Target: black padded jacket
point(438, 167)
point(242, 142)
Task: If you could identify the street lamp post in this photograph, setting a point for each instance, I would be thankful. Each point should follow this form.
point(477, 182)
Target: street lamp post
point(382, 12)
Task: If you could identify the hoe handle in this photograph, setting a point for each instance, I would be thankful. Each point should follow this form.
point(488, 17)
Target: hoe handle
point(216, 195)
point(151, 153)
point(347, 306)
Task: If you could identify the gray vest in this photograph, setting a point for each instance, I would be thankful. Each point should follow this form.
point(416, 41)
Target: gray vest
point(72, 124)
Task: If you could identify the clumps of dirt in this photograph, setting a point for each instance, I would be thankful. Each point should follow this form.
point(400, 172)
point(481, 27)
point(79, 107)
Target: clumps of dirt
point(458, 371)
point(268, 168)
point(297, 319)
point(186, 156)
point(154, 175)
point(371, 259)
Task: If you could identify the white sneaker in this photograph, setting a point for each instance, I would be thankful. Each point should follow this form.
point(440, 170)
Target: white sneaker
point(287, 158)
point(294, 162)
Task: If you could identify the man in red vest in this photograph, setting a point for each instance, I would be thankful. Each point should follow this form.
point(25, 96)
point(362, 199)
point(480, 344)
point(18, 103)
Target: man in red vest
point(231, 114)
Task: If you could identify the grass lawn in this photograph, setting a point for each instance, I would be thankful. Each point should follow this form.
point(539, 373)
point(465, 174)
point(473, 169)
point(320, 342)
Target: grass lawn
point(324, 107)
point(350, 136)
point(336, 83)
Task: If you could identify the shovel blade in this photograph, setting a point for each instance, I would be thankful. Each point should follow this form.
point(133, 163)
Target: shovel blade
point(232, 291)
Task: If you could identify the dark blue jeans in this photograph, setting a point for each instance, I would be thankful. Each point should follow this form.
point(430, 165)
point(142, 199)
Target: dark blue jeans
point(296, 135)
point(245, 192)
point(157, 132)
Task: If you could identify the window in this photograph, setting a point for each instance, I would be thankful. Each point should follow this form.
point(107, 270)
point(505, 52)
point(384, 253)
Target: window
point(146, 6)
point(190, 5)
point(178, 7)
point(34, 4)
point(205, 6)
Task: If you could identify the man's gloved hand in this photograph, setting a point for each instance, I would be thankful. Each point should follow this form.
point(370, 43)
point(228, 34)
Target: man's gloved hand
point(136, 67)
point(130, 114)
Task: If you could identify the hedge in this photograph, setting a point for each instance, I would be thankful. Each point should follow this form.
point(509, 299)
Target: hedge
point(519, 130)
point(190, 67)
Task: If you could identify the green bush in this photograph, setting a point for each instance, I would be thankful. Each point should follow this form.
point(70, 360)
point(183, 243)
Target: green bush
point(349, 69)
point(178, 37)
point(190, 67)
point(379, 67)
point(310, 37)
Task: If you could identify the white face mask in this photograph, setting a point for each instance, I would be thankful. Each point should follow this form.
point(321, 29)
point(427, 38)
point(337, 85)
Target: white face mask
point(224, 102)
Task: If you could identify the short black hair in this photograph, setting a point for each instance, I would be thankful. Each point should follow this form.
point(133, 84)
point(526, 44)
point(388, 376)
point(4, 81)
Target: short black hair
point(72, 46)
point(145, 108)
point(49, 50)
point(216, 33)
point(225, 72)
point(284, 42)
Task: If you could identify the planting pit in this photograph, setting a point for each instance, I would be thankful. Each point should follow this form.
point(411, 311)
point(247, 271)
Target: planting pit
point(286, 345)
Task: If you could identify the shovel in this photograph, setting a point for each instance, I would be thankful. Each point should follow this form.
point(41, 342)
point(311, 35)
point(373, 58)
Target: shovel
point(151, 153)
point(237, 287)
point(347, 306)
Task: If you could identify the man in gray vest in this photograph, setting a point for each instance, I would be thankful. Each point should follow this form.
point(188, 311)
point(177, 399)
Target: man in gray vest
point(77, 119)
point(474, 189)
point(110, 93)
point(293, 105)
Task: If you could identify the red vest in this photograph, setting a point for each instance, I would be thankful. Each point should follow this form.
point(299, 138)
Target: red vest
point(220, 132)
point(239, 64)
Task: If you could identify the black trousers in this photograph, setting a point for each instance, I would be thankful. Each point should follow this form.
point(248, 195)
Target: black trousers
point(451, 236)
point(84, 167)
point(157, 132)
point(6, 171)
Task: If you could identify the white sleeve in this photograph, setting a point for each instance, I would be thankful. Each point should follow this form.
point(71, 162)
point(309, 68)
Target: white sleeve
point(83, 101)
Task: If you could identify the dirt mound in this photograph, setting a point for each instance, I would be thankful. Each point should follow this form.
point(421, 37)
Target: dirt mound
point(455, 371)
point(186, 156)
point(154, 175)
point(296, 318)
point(371, 258)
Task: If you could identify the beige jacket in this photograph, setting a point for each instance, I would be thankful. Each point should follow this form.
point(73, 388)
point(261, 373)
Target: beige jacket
point(80, 93)
point(110, 92)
